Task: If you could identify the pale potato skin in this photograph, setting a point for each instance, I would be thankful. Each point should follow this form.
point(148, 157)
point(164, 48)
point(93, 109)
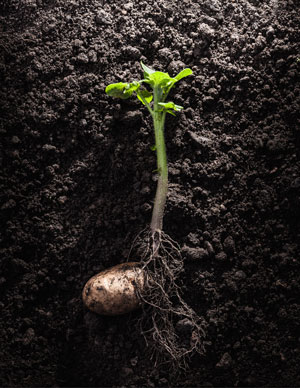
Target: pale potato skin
point(114, 290)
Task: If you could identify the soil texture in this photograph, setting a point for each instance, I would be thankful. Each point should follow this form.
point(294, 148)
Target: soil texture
point(77, 185)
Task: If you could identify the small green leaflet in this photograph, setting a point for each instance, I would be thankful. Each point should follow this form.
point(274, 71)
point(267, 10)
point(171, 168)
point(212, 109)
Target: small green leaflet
point(158, 78)
point(144, 95)
point(147, 69)
point(121, 89)
point(182, 74)
point(170, 105)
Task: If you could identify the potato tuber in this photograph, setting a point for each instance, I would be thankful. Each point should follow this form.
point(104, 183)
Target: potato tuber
point(114, 291)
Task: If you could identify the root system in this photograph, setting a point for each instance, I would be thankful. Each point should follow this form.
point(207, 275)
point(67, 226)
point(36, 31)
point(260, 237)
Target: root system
point(164, 309)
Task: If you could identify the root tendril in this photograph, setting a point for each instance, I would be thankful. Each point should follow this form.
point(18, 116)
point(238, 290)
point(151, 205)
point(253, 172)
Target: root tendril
point(162, 303)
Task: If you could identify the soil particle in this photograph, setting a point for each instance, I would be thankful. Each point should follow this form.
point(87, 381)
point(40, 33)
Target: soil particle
point(221, 256)
point(28, 336)
point(229, 245)
point(225, 362)
point(209, 248)
point(195, 253)
point(184, 326)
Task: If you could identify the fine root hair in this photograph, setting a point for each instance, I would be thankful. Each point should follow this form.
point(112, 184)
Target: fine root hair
point(172, 329)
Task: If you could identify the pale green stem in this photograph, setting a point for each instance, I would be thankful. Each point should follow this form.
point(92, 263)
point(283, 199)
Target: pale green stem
point(162, 166)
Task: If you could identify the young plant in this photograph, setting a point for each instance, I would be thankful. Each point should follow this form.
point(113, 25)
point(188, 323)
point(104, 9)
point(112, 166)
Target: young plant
point(156, 102)
point(160, 256)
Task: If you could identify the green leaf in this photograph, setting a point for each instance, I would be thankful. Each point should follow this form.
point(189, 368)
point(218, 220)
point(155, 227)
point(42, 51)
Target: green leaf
point(153, 148)
point(147, 69)
point(133, 86)
point(167, 106)
point(144, 95)
point(116, 90)
point(171, 112)
point(160, 79)
point(122, 89)
point(184, 73)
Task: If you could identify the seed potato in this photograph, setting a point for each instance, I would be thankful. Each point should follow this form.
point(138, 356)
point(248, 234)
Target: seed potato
point(114, 290)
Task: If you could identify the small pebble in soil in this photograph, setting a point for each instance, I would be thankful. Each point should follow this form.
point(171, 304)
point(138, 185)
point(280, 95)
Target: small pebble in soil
point(295, 183)
point(77, 43)
point(184, 326)
point(225, 361)
point(10, 204)
point(28, 336)
point(82, 58)
point(209, 248)
point(15, 140)
point(62, 199)
point(102, 18)
point(229, 245)
point(195, 253)
point(221, 256)
point(240, 275)
point(125, 371)
point(175, 66)
point(201, 141)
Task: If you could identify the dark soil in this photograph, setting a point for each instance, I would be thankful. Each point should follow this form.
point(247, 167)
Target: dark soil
point(77, 185)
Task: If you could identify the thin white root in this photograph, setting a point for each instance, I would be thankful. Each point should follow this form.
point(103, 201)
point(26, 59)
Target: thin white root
point(163, 305)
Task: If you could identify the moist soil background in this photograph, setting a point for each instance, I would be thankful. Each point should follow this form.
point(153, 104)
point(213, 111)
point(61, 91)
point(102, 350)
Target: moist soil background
point(78, 182)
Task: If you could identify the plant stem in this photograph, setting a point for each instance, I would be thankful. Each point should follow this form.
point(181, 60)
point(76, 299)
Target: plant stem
point(162, 166)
